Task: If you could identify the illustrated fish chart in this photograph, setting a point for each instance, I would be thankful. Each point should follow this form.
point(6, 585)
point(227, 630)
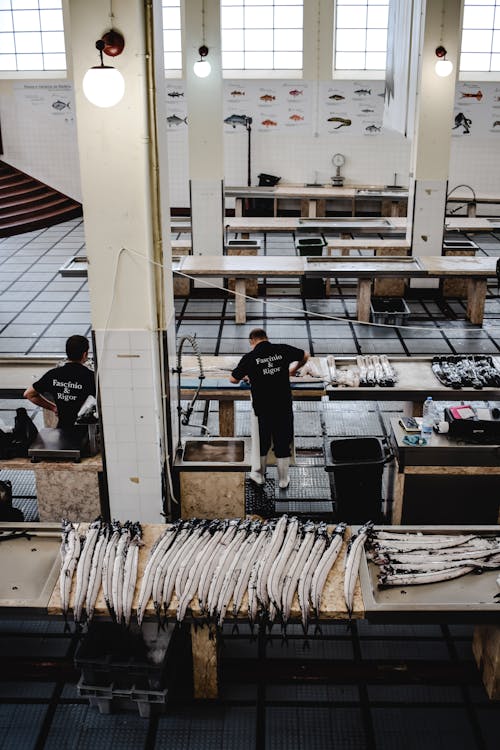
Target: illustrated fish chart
point(274, 106)
point(176, 107)
point(51, 104)
point(51, 100)
point(353, 107)
point(477, 110)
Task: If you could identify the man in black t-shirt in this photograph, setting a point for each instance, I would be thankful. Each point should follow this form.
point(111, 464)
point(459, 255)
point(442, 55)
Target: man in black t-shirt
point(267, 369)
point(69, 385)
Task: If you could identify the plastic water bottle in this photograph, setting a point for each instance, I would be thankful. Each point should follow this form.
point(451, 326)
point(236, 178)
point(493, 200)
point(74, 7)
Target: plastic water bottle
point(428, 418)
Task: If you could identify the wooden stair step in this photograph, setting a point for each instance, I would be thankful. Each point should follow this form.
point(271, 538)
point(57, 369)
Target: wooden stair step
point(27, 204)
point(46, 220)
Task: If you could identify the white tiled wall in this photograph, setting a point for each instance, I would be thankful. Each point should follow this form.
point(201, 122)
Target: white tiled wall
point(131, 415)
point(300, 158)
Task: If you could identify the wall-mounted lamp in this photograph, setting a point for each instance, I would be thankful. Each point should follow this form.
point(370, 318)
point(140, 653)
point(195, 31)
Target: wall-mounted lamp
point(104, 85)
point(202, 67)
point(443, 66)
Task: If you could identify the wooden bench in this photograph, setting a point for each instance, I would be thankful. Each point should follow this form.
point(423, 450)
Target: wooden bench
point(385, 225)
point(313, 199)
point(365, 270)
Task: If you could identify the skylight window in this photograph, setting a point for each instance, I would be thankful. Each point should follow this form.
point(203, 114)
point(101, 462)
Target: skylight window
point(261, 34)
point(361, 34)
point(31, 35)
point(481, 36)
point(172, 47)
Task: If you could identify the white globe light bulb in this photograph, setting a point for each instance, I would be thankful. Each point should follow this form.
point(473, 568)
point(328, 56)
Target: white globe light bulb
point(103, 86)
point(202, 68)
point(443, 68)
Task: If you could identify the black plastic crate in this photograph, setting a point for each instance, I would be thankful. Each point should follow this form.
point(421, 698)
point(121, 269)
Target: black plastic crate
point(109, 654)
point(389, 310)
point(310, 246)
point(312, 287)
point(108, 698)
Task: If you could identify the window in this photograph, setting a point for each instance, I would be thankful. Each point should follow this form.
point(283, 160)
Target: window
point(361, 34)
point(172, 48)
point(481, 36)
point(31, 35)
point(261, 34)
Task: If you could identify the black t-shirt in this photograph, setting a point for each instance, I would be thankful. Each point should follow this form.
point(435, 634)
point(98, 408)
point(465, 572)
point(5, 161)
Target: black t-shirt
point(266, 366)
point(69, 386)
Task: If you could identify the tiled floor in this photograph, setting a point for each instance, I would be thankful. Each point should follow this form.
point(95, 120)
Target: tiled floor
point(379, 687)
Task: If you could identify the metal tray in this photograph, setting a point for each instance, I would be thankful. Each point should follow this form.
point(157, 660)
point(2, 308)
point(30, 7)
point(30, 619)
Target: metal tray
point(30, 567)
point(470, 598)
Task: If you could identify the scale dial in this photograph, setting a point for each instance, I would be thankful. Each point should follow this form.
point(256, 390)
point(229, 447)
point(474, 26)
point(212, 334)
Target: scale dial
point(338, 160)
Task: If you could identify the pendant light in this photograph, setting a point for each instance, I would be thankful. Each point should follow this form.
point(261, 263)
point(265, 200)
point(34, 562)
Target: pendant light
point(202, 67)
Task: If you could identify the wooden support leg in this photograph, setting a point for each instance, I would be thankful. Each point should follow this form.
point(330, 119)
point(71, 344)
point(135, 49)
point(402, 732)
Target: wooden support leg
point(238, 207)
point(364, 298)
point(240, 303)
point(307, 208)
point(476, 295)
point(226, 418)
point(397, 499)
point(204, 646)
point(486, 650)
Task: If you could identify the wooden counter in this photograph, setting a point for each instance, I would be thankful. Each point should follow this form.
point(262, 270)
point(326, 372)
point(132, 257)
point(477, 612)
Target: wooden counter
point(204, 640)
point(365, 270)
point(312, 199)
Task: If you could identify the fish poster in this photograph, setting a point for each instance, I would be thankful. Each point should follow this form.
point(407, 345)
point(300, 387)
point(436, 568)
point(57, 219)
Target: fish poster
point(353, 107)
point(176, 106)
point(477, 109)
point(273, 106)
point(47, 101)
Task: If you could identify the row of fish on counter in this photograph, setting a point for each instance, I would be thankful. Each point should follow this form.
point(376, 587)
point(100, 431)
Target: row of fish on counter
point(369, 371)
point(411, 559)
point(222, 564)
point(213, 562)
point(455, 371)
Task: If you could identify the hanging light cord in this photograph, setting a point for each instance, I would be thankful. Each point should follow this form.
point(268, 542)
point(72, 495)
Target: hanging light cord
point(442, 25)
point(203, 22)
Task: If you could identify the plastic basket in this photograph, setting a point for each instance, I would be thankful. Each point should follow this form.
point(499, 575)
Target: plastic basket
point(108, 654)
point(389, 310)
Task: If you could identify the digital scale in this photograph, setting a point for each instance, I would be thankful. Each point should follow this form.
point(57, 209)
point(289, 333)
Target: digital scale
point(55, 444)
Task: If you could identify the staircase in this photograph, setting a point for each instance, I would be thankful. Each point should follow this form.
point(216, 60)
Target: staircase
point(27, 204)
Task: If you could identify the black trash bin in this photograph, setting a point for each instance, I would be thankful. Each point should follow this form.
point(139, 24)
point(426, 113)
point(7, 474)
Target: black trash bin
point(357, 467)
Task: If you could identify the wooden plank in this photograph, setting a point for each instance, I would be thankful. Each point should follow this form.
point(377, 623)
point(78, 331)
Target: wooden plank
point(205, 648)
point(226, 418)
point(240, 303)
point(251, 285)
point(486, 650)
point(390, 287)
point(364, 299)
point(476, 296)
point(232, 266)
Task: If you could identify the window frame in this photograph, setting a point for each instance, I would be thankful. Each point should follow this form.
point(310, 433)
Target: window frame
point(267, 73)
point(37, 73)
point(345, 74)
point(478, 75)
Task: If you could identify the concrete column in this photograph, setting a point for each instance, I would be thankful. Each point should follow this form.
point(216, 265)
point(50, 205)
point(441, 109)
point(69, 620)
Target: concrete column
point(440, 24)
point(318, 40)
point(205, 121)
point(125, 205)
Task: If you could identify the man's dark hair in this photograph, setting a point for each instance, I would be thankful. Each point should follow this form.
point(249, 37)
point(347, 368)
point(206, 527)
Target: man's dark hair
point(257, 333)
point(76, 346)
